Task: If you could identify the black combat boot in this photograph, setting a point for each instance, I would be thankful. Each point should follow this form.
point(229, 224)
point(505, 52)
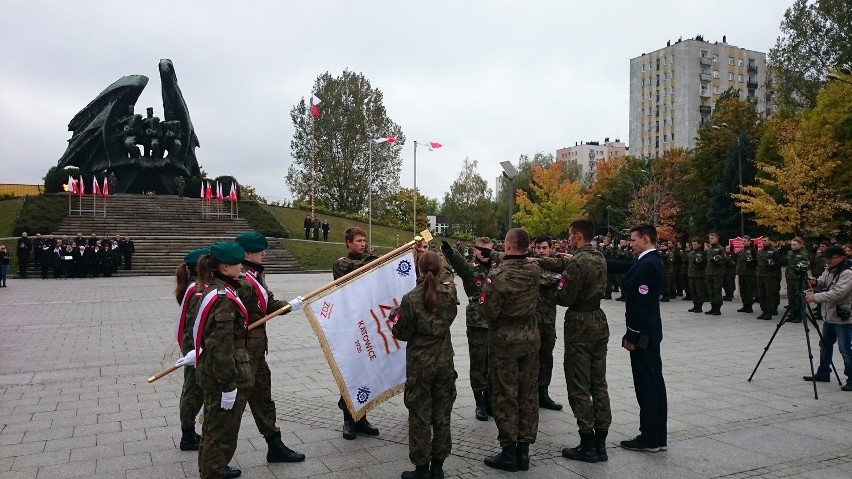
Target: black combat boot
point(232, 472)
point(189, 440)
point(664, 299)
point(480, 413)
point(278, 452)
point(486, 401)
point(364, 427)
point(349, 432)
point(762, 314)
point(600, 444)
point(524, 455)
point(745, 309)
point(506, 460)
point(715, 310)
point(545, 401)
point(696, 308)
point(436, 469)
point(585, 452)
point(419, 472)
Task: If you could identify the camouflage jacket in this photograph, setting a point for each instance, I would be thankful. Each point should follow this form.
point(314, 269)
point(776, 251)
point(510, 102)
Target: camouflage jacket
point(427, 333)
point(747, 261)
point(768, 262)
point(792, 258)
point(697, 260)
point(508, 303)
point(473, 279)
point(818, 266)
point(224, 364)
point(583, 282)
point(546, 310)
point(715, 261)
point(186, 344)
point(350, 262)
point(253, 299)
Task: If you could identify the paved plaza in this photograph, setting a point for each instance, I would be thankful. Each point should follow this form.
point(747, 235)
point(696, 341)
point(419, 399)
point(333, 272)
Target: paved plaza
point(74, 401)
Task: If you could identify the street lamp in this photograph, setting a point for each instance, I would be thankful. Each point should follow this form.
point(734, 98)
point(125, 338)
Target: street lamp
point(510, 173)
point(739, 167)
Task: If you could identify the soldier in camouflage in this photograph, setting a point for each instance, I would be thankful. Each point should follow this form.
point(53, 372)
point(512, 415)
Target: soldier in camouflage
point(622, 254)
point(668, 257)
point(546, 315)
point(357, 255)
point(508, 302)
point(729, 283)
point(423, 320)
point(768, 279)
point(697, 265)
point(473, 279)
point(684, 271)
point(608, 249)
point(747, 274)
point(796, 255)
point(715, 274)
point(586, 335)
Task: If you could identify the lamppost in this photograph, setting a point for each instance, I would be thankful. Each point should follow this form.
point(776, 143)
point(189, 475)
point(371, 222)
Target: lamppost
point(739, 167)
point(510, 173)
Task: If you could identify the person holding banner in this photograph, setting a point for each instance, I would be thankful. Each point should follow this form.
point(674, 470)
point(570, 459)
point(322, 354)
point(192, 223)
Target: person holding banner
point(223, 364)
point(508, 303)
point(259, 301)
point(423, 320)
point(356, 257)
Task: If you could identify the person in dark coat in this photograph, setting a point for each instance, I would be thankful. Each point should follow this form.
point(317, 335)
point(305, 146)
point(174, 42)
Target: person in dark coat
point(642, 286)
point(25, 247)
point(127, 252)
point(46, 251)
point(107, 258)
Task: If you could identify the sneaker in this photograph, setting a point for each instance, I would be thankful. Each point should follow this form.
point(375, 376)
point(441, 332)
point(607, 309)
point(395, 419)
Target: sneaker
point(639, 444)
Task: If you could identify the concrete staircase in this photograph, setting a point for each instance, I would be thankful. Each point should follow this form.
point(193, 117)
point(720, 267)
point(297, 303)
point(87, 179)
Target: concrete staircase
point(163, 229)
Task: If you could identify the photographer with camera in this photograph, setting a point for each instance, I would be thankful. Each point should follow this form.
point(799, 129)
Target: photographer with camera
point(834, 294)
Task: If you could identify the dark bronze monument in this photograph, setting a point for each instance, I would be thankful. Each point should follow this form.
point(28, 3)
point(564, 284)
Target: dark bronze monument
point(107, 134)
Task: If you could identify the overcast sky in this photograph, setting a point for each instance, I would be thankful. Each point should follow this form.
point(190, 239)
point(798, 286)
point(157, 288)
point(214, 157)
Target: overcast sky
point(490, 80)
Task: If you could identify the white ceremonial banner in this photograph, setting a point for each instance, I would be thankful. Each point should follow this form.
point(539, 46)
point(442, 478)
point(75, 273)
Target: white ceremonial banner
point(352, 325)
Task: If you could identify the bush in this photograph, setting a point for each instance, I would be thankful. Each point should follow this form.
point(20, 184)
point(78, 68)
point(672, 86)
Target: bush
point(41, 214)
point(262, 220)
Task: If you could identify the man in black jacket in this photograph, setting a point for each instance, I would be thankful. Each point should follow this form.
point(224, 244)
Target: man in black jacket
point(127, 249)
point(25, 247)
point(643, 280)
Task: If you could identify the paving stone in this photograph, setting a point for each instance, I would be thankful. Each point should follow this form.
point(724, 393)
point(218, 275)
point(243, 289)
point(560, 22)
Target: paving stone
point(72, 469)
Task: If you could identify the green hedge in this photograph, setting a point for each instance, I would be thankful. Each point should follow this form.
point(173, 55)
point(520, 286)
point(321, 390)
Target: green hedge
point(262, 220)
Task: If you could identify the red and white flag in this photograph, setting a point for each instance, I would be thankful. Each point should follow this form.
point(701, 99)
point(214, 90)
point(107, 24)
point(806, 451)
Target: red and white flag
point(96, 189)
point(388, 139)
point(431, 145)
point(208, 195)
point(105, 190)
point(203, 191)
point(315, 101)
point(82, 189)
point(72, 185)
point(219, 191)
point(232, 196)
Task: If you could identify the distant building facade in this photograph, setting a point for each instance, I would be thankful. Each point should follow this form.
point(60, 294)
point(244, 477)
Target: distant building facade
point(437, 224)
point(588, 154)
point(674, 90)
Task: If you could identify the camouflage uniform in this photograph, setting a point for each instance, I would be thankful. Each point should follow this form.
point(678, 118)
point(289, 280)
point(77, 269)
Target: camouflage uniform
point(224, 365)
point(747, 273)
point(729, 281)
point(794, 286)
point(668, 258)
point(586, 335)
point(191, 396)
point(473, 278)
point(508, 303)
point(697, 259)
point(611, 280)
point(430, 385)
point(546, 317)
point(769, 279)
point(714, 275)
point(683, 274)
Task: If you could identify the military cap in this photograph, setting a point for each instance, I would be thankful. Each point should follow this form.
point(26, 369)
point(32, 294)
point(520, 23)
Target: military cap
point(835, 250)
point(252, 241)
point(191, 257)
point(227, 252)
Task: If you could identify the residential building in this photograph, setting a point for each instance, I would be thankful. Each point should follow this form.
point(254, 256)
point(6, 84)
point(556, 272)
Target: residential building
point(437, 224)
point(674, 90)
point(588, 154)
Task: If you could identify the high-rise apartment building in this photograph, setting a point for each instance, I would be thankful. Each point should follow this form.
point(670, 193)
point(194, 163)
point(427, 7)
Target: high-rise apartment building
point(674, 90)
point(588, 154)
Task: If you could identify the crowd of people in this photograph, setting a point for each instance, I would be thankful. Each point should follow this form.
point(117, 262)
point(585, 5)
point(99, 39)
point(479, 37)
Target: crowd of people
point(77, 257)
point(313, 227)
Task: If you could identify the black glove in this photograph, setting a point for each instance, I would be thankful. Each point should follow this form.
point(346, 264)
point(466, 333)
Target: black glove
point(446, 248)
point(485, 251)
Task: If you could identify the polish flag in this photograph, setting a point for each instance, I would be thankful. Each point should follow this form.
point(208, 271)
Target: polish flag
point(232, 196)
point(314, 106)
point(219, 191)
point(96, 189)
point(105, 190)
point(82, 190)
point(432, 145)
point(72, 185)
point(203, 191)
point(388, 139)
point(208, 195)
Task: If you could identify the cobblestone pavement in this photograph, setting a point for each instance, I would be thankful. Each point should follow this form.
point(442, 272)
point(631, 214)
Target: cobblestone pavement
point(74, 400)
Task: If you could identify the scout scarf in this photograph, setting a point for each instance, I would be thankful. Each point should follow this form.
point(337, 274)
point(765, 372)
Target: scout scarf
point(204, 311)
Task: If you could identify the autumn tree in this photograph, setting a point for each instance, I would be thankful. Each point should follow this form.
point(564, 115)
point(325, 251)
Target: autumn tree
point(468, 203)
point(557, 202)
point(351, 113)
point(655, 202)
point(802, 196)
point(608, 198)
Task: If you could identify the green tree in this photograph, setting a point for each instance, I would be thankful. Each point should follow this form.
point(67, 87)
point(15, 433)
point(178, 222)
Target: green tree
point(557, 202)
point(463, 204)
point(815, 37)
point(608, 198)
point(351, 114)
point(398, 210)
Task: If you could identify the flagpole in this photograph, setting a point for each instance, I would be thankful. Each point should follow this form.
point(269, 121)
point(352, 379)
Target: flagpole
point(424, 235)
point(370, 195)
point(313, 162)
point(415, 186)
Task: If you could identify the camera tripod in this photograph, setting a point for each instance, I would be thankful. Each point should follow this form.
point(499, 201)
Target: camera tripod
point(806, 316)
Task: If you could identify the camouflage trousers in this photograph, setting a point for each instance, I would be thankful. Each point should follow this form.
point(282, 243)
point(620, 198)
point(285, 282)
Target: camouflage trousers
point(259, 397)
point(714, 288)
point(698, 288)
point(748, 288)
point(219, 434)
point(683, 285)
point(547, 331)
point(514, 397)
point(429, 397)
point(769, 290)
point(477, 344)
point(729, 284)
point(586, 337)
point(191, 398)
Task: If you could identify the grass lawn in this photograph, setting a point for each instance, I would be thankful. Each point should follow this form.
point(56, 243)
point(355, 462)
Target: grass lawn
point(317, 255)
point(8, 213)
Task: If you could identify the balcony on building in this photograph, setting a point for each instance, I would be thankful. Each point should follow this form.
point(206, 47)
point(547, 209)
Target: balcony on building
point(751, 85)
point(705, 61)
point(752, 69)
point(705, 93)
point(706, 77)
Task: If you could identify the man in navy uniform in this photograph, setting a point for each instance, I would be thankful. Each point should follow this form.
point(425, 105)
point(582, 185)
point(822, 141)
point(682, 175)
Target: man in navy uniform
point(641, 287)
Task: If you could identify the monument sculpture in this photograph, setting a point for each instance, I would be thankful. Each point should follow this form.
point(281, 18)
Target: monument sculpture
point(107, 134)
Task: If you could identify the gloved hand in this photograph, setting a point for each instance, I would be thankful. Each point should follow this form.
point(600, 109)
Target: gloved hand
point(188, 360)
point(446, 248)
point(228, 400)
point(485, 251)
point(296, 303)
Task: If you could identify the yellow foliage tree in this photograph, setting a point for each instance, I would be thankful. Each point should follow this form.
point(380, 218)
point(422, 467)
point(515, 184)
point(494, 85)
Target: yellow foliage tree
point(804, 194)
point(558, 202)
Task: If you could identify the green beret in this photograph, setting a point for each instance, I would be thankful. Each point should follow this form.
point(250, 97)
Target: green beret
point(227, 252)
point(191, 258)
point(252, 242)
